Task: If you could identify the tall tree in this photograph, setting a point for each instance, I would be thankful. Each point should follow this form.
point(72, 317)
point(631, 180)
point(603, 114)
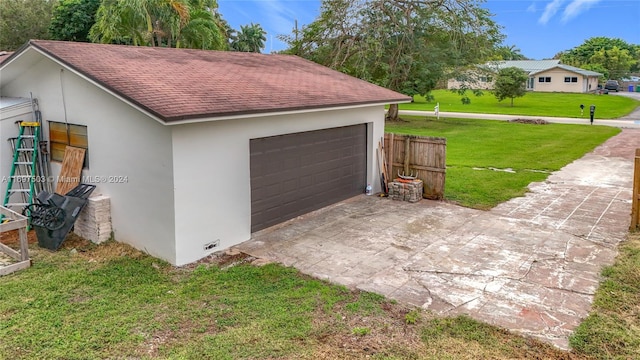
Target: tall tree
point(403, 45)
point(250, 38)
point(510, 84)
point(595, 52)
point(202, 31)
point(170, 23)
point(510, 53)
point(617, 62)
point(21, 20)
point(72, 19)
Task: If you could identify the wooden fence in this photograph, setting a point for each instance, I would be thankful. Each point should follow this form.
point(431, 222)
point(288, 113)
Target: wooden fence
point(423, 156)
point(635, 202)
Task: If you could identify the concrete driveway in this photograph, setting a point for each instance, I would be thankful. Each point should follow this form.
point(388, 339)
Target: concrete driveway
point(530, 265)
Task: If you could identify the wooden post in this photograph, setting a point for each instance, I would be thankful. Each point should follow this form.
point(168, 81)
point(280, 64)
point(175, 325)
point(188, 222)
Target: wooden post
point(407, 151)
point(635, 202)
point(24, 244)
point(389, 147)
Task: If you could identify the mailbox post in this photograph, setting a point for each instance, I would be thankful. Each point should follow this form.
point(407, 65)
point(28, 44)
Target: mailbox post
point(592, 110)
point(581, 109)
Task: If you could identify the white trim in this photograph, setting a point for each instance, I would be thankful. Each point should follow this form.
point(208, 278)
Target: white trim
point(275, 113)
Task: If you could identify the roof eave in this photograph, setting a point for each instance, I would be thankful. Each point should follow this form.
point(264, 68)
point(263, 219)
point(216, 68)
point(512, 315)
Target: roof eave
point(246, 115)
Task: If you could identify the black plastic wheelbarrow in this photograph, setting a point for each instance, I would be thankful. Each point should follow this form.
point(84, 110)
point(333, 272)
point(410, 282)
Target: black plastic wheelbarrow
point(53, 215)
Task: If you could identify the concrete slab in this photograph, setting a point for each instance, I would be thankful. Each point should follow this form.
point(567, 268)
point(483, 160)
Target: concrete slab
point(530, 265)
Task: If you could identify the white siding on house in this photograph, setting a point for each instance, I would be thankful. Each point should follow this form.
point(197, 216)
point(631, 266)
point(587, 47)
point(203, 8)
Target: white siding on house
point(123, 142)
point(8, 129)
point(212, 176)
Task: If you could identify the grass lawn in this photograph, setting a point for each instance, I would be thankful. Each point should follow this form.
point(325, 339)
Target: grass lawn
point(612, 330)
point(533, 103)
point(475, 146)
point(111, 301)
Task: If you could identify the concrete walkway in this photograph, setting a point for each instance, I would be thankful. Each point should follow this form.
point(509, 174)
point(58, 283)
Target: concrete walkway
point(530, 265)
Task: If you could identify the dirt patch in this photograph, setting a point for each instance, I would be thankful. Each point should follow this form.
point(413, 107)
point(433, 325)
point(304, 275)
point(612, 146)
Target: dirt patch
point(98, 253)
point(342, 335)
point(12, 238)
point(530, 121)
point(222, 259)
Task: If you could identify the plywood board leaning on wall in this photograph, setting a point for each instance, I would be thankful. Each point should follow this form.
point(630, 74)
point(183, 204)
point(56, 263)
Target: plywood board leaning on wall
point(71, 169)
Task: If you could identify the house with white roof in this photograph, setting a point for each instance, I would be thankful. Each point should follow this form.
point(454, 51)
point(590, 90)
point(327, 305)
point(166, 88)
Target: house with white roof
point(544, 75)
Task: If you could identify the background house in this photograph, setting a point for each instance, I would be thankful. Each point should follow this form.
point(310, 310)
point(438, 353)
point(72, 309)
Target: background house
point(198, 149)
point(544, 75)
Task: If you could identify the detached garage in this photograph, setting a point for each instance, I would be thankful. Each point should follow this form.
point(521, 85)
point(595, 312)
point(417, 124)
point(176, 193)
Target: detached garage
point(213, 145)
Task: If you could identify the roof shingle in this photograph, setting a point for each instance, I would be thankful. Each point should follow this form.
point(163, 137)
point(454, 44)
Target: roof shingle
point(181, 84)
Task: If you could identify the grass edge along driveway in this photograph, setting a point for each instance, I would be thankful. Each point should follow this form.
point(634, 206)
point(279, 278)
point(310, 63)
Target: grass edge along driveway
point(489, 162)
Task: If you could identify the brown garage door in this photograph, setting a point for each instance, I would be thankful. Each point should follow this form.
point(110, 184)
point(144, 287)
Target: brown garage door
point(297, 173)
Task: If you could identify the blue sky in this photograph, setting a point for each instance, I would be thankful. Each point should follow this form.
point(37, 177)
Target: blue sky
point(539, 28)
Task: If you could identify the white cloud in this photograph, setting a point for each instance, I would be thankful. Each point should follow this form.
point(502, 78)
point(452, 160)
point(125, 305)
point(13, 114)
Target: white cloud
point(550, 10)
point(576, 8)
point(279, 16)
point(532, 8)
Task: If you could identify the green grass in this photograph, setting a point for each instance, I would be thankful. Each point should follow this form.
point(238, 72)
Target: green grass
point(111, 301)
point(531, 151)
point(612, 330)
point(533, 103)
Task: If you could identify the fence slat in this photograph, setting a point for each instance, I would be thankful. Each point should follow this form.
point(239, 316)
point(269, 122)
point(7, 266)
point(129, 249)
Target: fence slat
point(425, 157)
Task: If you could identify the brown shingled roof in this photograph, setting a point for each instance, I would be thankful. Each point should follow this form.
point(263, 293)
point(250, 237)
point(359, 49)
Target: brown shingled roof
point(180, 84)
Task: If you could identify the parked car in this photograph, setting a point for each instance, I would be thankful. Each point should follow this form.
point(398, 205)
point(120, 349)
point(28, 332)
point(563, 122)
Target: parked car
point(612, 85)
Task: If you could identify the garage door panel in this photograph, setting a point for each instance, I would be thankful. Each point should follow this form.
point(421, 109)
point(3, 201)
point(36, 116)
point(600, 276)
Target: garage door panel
point(297, 173)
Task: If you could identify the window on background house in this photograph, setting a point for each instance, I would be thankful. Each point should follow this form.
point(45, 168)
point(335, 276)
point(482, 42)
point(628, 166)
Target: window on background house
point(567, 79)
point(61, 135)
point(570, 79)
point(544, 79)
point(574, 79)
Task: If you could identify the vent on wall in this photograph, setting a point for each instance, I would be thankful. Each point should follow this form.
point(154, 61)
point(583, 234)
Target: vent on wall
point(212, 245)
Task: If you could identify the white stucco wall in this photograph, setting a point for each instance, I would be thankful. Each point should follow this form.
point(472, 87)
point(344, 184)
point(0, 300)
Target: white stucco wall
point(8, 129)
point(212, 176)
point(123, 143)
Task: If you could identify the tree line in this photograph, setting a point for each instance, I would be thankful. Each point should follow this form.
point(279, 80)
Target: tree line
point(193, 24)
point(615, 58)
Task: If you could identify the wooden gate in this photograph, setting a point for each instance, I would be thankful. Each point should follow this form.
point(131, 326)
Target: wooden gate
point(423, 156)
point(635, 202)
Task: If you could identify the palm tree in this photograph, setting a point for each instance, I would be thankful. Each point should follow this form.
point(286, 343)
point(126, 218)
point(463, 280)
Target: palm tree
point(250, 38)
point(202, 32)
point(171, 23)
point(510, 53)
point(122, 21)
